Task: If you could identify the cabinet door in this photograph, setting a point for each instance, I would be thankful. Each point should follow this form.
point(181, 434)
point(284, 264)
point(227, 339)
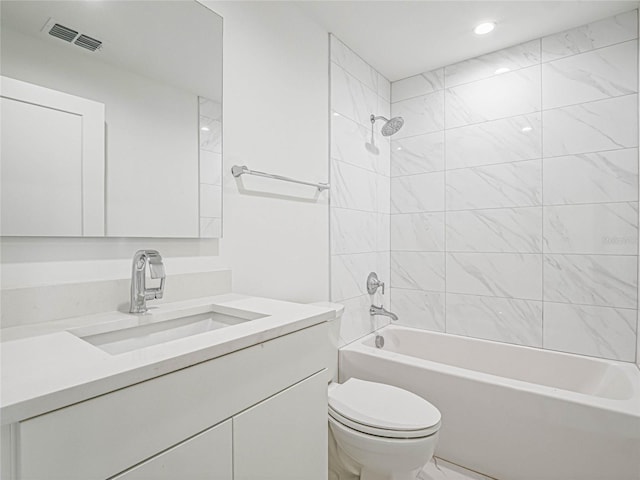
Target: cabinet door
point(205, 456)
point(6, 453)
point(285, 436)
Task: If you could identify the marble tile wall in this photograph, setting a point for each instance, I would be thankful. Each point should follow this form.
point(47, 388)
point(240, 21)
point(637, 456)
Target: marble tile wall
point(514, 194)
point(360, 189)
point(210, 137)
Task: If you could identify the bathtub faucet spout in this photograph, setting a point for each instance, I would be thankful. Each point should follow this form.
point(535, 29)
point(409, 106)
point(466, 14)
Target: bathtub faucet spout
point(373, 310)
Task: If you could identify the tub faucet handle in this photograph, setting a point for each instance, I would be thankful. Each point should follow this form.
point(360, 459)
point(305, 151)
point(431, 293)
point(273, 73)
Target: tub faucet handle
point(373, 283)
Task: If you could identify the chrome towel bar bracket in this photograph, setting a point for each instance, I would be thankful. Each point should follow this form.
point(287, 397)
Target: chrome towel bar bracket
point(238, 170)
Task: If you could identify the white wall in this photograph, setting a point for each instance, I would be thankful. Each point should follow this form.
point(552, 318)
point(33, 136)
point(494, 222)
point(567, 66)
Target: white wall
point(276, 120)
point(275, 117)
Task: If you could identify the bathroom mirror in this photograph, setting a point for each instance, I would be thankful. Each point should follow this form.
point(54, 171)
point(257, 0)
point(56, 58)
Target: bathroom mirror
point(111, 119)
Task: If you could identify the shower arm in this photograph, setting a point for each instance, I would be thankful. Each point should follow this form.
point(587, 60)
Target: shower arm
point(375, 118)
point(390, 126)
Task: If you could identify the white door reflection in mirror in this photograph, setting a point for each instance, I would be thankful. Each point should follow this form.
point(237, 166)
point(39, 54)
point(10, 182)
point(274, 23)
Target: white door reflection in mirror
point(52, 180)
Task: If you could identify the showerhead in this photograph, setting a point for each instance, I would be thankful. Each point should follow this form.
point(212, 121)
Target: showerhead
point(391, 126)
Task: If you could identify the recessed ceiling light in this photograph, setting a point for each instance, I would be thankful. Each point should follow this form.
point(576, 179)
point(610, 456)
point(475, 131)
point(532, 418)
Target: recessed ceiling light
point(502, 70)
point(484, 28)
point(204, 129)
point(527, 129)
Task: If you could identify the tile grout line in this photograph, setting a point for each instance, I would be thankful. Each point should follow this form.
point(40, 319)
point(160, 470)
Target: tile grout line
point(578, 104)
point(586, 51)
point(637, 345)
point(391, 140)
point(474, 252)
point(331, 199)
point(513, 207)
point(542, 238)
point(359, 167)
point(505, 207)
point(444, 192)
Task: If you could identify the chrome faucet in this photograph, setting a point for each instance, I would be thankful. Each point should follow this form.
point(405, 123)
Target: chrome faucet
point(373, 283)
point(373, 310)
point(139, 293)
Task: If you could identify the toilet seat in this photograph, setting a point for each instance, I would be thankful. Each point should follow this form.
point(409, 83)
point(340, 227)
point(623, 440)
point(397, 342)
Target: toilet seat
point(393, 413)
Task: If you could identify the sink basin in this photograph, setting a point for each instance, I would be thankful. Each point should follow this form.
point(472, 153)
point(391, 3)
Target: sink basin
point(154, 329)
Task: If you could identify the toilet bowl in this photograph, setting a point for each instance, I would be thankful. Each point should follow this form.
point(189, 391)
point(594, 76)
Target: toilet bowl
point(376, 431)
point(388, 432)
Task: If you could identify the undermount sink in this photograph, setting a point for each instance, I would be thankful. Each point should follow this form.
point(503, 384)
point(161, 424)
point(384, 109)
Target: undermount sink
point(156, 328)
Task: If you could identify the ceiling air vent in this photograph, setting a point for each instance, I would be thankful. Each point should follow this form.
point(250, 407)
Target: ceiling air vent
point(71, 35)
point(87, 42)
point(62, 32)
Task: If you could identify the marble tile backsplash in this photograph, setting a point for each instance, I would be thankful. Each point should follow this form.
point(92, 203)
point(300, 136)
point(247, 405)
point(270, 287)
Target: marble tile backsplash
point(514, 193)
point(360, 220)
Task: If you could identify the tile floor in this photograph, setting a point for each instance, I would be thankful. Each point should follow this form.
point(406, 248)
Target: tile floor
point(438, 469)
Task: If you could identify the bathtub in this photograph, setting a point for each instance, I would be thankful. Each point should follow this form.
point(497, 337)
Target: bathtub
point(513, 412)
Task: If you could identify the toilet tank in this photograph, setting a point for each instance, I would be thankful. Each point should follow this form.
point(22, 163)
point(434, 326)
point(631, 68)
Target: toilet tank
point(334, 335)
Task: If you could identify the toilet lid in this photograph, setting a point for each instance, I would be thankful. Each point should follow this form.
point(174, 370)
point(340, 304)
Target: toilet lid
point(382, 407)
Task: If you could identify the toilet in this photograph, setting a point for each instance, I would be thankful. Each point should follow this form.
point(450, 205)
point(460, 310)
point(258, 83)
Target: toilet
point(376, 431)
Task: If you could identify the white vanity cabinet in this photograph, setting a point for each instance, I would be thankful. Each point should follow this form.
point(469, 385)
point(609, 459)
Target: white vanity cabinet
point(284, 437)
point(259, 412)
point(208, 456)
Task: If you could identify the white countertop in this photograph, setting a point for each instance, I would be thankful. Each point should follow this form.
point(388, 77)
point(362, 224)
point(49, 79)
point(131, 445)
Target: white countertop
point(45, 367)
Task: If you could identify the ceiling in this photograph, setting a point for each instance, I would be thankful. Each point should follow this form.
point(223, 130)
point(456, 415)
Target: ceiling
point(163, 40)
point(405, 38)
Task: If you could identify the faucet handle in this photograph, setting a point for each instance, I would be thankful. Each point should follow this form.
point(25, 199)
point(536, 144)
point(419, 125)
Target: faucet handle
point(156, 269)
point(373, 283)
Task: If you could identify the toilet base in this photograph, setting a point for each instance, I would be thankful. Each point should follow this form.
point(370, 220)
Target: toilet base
point(341, 467)
point(376, 458)
point(369, 475)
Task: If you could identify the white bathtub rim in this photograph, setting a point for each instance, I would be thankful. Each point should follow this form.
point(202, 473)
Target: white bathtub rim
point(630, 406)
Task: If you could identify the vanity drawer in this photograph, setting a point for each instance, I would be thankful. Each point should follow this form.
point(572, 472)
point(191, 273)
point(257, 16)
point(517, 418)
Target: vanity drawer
point(100, 437)
point(208, 455)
